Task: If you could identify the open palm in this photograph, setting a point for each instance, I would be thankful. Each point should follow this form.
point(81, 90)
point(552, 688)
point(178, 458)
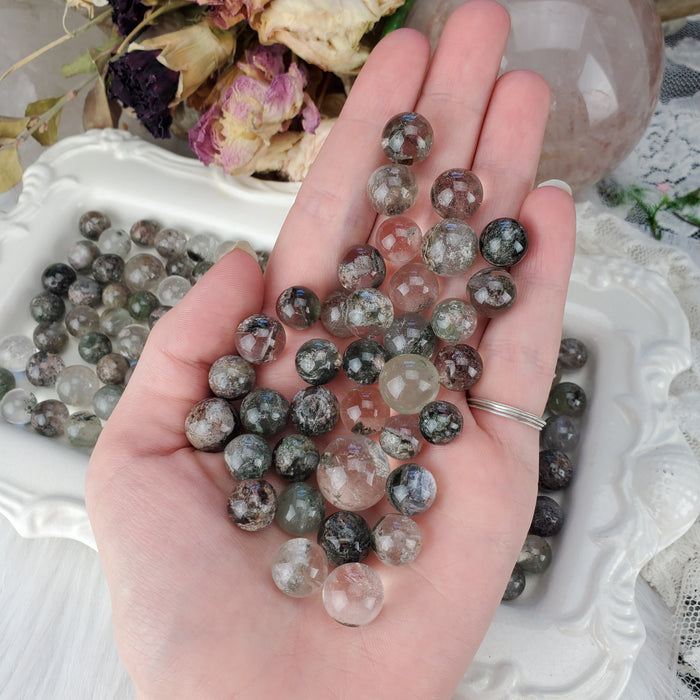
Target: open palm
point(196, 612)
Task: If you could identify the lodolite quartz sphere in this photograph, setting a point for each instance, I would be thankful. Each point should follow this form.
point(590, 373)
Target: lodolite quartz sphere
point(299, 567)
point(603, 63)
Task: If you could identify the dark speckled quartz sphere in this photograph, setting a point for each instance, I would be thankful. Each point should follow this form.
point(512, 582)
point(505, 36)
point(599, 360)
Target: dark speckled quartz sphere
point(46, 307)
point(410, 334)
point(368, 312)
point(345, 537)
point(57, 278)
point(568, 399)
point(92, 223)
point(247, 457)
point(298, 307)
point(516, 584)
point(295, 457)
point(252, 504)
point(49, 418)
point(264, 412)
point(112, 368)
point(491, 291)
point(50, 337)
point(43, 368)
point(318, 361)
point(440, 422)
point(573, 354)
point(361, 266)
point(556, 470)
point(459, 366)
point(314, 411)
point(231, 377)
point(144, 232)
point(503, 242)
point(400, 437)
point(411, 489)
point(108, 268)
point(560, 433)
point(548, 518)
point(85, 291)
point(407, 138)
point(363, 360)
point(210, 424)
point(456, 193)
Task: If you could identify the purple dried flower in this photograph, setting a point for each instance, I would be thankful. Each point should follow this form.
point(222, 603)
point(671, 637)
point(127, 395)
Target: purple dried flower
point(127, 14)
point(138, 80)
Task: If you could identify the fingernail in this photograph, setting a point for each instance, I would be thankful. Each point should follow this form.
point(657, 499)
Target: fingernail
point(557, 183)
point(246, 248)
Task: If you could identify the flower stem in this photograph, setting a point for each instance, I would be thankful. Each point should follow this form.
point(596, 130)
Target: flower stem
point(57, 42)
point(148, 20)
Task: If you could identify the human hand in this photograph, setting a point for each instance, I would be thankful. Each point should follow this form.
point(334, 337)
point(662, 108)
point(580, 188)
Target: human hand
point(196, 613)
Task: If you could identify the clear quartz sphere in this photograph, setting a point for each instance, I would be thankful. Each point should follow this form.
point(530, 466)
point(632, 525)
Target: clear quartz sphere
point(299, 567)
point(114, 241)
point(260, 339)
point(202, 246)
point(76, 385)
point(408, 382)
point(603, 63)
point(352, 473)
point(172, 289)
point(16, 406)
point(143, 271)
point(105, 400)
point(398, 239)
point(396, 539)
point(113, 320)
point(353, 594)
point(130, 341)
point(392, 189)
point(413, 287)
point(363, 410)
point(15, 351)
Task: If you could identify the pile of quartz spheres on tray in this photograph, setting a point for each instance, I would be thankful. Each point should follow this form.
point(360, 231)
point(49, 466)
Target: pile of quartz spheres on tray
point(404, 344)
point(92, 315)
point(566, 407)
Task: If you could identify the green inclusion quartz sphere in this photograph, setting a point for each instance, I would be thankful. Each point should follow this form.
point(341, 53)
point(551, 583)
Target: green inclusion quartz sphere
point(252, 504)
point(408, 382)
point(407, 138)
point(49, 418)
point(567, 398)
point(396, 539)
point(398, 239)
point(413, 287)
point(83, 429)
point(247, 457)
point(410, 334)
point(503, 242)
point(352, 472)
point(298, 307)
point(362, 265)
point(76, 385)
point(231, 377)
point(411, 489)
point(353, 594)
point(318, 361)
point(314, 411)
point(299, 567)
point(440, 422)
point(300, 509)
point(363, 360)
point(210, 424)
point(449, 248)
point(400, 437)
point(392, 189)
point(459, 366)
point(363, 410)
point(264, 412)
point(516, 584)
point(141, 303)
point(93, 345)
point(456, 194)
point(7, 381)
point(491, 291)
point(453, 320)
point(106, 399)
point(345, 537)
point(535, 555)
point(368, 312)
point(295, 457)
point(260, 339)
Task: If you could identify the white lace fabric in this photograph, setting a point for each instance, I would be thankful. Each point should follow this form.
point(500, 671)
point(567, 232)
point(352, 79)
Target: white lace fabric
point(667, 160)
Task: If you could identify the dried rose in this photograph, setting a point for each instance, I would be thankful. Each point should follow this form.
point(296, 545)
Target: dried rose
point(226, 13)
point(127, 14)
point(325, 33)
point(139, 81)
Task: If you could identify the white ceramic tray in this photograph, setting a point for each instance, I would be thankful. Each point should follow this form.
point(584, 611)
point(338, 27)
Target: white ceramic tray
point(575, 632)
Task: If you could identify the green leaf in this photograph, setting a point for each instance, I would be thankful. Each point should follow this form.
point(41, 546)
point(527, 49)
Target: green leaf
point(10, 167)
point(396, 21)
point(86, 63)
point(12, 127)
point(47, 135)
point(692, 199)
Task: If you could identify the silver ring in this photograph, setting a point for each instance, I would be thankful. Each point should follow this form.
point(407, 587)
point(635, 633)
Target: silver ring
point(506, 411)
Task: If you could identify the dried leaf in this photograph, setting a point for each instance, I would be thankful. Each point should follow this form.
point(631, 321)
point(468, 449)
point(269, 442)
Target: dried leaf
point(47, 135)
point(10, 167)
point(98, 111)
point(12, 127)
point(86, 63)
